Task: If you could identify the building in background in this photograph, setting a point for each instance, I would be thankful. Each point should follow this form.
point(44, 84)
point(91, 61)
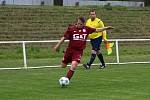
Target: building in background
point(28, 2)
point(73, 2)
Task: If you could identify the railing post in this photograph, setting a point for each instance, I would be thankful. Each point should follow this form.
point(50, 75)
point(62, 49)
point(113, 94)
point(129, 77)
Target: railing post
point(24, 55)
point(117, 52)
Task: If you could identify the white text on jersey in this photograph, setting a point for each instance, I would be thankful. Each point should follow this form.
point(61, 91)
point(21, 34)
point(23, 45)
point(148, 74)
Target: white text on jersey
point(79, 37)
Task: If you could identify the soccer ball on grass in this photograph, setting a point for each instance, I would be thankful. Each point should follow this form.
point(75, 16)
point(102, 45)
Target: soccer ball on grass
point(63, 81)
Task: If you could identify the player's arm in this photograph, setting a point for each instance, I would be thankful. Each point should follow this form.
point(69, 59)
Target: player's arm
point(66, 36)
point(104, 28)
point(56, 48)
point(104, 35)
point(104, 32)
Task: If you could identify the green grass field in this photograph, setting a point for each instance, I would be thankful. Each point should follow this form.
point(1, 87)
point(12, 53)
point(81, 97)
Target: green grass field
point(117, 82)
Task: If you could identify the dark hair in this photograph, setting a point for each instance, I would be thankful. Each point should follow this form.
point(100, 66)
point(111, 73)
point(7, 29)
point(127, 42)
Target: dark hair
point(82, 19)
point(92, 10)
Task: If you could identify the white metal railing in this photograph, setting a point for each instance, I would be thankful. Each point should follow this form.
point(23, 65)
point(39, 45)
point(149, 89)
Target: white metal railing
point(52, 41)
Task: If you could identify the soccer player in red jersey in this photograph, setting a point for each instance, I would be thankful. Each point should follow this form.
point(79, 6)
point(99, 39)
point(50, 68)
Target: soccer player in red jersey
point(77, 36)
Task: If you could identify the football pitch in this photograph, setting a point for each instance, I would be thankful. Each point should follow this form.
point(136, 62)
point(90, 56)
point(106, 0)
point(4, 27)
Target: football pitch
point(116, 82)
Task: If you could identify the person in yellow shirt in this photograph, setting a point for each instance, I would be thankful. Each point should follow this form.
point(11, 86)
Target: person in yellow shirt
point(96, 39)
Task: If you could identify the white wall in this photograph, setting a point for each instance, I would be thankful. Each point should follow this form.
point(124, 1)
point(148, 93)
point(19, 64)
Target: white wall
point(112, 3)
point(27, 2)
point(7, 1)
point(22, 2)
point(73, 2)
point(68, 3)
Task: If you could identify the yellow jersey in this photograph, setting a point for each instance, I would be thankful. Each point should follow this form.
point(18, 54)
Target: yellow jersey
point(97, 23)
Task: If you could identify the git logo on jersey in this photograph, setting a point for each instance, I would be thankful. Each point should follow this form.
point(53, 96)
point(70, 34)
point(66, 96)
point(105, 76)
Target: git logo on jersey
point(79, 36)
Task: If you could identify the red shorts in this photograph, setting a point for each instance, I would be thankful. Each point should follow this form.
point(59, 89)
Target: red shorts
point(72, 55)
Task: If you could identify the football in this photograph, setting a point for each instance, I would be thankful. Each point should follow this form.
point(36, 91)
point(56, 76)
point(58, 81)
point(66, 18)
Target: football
point(63, 81)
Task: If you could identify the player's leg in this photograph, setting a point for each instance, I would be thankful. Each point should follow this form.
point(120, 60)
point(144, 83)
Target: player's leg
point(63, 65)
point(91, 60)
point(76, 57)
point(66, 59)
point(95, 46)
point(71, 69)
point(99, 54)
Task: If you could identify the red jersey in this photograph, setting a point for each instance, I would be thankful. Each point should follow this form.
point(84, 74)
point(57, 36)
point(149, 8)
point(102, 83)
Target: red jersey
point(78, 37)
